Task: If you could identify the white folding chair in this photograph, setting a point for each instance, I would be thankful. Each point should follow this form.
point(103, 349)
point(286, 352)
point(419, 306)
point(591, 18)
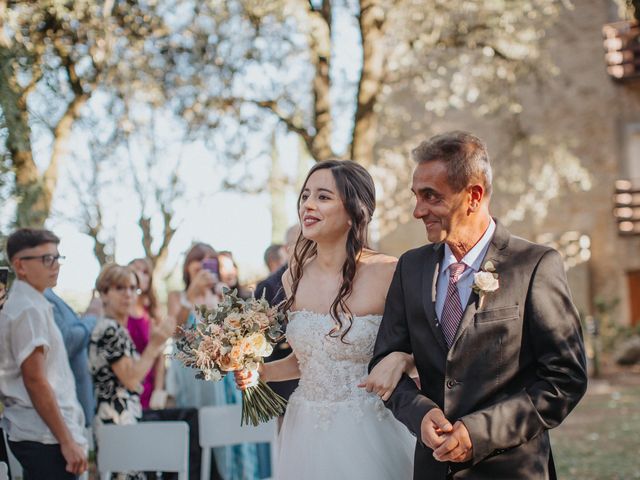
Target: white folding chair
point(145, 446)
point(14, 464)
point(220, 427)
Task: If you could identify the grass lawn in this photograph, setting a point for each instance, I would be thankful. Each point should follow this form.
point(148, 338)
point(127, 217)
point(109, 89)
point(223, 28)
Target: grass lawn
point(601, 438)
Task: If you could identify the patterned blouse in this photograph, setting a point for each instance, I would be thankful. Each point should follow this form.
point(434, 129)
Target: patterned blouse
point(114, 402)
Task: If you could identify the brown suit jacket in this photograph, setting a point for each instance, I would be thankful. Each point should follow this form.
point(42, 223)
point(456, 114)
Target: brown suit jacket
point(516, 367)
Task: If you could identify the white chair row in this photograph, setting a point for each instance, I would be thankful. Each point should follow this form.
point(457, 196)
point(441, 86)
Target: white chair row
point(164, 446)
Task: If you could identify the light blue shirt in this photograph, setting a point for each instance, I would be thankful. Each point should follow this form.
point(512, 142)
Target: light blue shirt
point(76, 333)
point(473, 260)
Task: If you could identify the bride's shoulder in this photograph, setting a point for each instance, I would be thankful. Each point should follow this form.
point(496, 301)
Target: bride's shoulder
point(378, 263)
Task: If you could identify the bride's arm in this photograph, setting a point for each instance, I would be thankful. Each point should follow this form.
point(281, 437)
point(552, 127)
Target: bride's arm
point(385, 376)
point(279, 371)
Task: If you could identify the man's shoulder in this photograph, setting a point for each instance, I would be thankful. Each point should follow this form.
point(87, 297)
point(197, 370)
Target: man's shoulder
point(273, 280)
point(527, 248)
point(271, 287)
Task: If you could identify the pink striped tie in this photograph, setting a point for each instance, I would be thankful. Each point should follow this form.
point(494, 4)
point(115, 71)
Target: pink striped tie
point(452, 310)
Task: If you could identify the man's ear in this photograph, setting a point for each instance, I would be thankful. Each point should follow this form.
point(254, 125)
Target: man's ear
point(18, 268)
point(476, 194)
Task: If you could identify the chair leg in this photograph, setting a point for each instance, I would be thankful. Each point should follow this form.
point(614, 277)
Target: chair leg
point(205, 467)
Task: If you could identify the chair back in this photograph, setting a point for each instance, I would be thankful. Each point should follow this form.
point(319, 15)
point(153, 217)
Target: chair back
point(146, 446)
point(220, 427)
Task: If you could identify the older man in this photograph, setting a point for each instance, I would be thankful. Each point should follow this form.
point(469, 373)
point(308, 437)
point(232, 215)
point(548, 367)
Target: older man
point(489, 319)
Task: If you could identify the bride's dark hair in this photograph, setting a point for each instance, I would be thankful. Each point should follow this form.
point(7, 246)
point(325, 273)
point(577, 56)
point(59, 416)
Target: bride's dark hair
point(358, 194)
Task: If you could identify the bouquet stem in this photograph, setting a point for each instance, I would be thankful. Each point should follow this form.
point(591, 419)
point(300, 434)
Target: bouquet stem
point(260, 404)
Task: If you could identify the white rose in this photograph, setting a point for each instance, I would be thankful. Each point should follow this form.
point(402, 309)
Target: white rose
point(267, 350)
point(251, 366)
point(259, 344)
point(485, 281)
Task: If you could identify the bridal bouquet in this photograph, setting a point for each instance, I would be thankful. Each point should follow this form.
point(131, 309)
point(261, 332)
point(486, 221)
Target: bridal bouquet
point(235, 336)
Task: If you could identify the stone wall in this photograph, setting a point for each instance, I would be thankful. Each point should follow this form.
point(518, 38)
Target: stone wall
point(580, 108)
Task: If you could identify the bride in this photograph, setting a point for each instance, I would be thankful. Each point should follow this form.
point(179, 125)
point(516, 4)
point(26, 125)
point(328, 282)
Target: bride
point(336, 289)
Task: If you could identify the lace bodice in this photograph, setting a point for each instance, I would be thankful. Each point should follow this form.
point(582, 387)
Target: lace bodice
point(330, 369)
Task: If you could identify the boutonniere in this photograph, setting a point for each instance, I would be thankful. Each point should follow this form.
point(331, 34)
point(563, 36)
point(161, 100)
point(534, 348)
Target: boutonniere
point(485, 281)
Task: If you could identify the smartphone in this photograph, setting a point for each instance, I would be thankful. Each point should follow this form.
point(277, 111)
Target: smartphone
point(211, 264)
point(4, 280)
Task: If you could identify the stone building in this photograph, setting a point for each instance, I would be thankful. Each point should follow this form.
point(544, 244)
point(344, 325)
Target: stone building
point(587, 125)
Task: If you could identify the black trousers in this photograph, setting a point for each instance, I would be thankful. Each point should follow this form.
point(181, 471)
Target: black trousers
point(41, 461)
point(4, 456)
point(189, 415)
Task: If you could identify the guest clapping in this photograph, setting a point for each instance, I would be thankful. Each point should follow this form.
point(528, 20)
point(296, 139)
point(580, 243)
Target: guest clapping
point(116, 366)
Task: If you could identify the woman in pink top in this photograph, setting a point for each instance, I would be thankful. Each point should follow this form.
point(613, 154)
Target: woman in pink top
point(139, 324)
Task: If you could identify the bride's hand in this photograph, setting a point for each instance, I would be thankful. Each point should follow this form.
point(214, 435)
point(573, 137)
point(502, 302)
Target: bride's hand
point(385, 376)
point(247, 378)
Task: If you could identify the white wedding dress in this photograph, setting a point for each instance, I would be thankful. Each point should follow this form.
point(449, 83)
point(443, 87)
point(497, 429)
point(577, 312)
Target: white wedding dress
point(332, 429)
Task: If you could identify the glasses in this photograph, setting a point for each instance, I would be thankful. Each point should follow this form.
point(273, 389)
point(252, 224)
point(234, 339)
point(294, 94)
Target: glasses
point(129, 288)
point(47, 260)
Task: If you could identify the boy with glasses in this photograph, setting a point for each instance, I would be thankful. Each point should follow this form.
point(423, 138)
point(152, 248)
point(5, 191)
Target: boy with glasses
point(42, 417)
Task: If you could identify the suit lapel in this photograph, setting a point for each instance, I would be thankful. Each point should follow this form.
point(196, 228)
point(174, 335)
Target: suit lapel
point(429, 282)
point(495, 252)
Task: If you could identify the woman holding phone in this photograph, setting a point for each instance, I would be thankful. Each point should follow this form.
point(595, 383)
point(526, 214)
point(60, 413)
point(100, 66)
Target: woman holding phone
point(203, 287)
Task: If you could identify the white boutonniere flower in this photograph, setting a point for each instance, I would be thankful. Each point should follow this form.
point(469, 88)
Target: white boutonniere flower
point(485, 281)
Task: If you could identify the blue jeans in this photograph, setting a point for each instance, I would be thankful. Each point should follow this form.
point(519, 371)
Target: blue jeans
point(41, 461)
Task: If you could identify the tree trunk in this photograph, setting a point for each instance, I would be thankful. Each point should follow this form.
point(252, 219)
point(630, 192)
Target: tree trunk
point(371, 21)
point(28, 188)
point(99, 248)
point(320, 47)
point(61, 134)
point(34, 192)
point(277, 192)
point(157, 259)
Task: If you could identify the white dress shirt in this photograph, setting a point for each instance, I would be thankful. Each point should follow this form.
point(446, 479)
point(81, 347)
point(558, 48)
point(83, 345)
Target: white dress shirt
point(472, 260)
point(26, 322)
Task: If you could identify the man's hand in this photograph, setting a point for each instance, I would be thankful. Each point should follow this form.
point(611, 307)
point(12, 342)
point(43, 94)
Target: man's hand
point(456, 446)
point(434, 427)
point(75, 456)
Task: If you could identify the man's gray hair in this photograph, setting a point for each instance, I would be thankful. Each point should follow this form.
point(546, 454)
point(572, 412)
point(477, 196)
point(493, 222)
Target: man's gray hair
point(464, 155)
